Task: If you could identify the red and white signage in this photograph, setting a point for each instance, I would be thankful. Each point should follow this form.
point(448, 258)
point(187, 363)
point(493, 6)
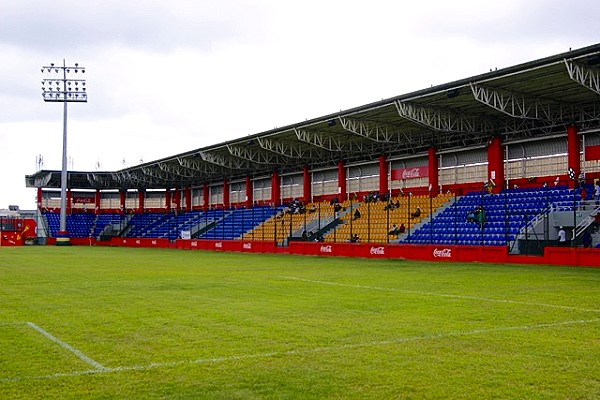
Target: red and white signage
point(442, 253)
point(592, 153)
point(326, 248)
point(379, 250)
point(84, 200)
point(410, 173)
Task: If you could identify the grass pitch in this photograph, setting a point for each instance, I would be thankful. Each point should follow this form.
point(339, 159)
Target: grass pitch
point(95, 322)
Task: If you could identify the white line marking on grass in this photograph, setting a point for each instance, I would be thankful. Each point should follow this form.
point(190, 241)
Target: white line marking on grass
point(301, 351)
point(12, 323)
point(456, 296)
point(68, 347)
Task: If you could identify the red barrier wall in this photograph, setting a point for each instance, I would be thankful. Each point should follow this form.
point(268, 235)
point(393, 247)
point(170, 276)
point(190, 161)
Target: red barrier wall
point(489, 254)
point(11, 239)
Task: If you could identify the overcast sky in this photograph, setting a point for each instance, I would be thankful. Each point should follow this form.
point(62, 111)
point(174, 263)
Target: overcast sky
point(165, 77)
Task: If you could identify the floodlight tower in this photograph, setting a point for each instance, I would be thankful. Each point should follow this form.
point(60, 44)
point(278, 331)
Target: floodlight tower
point(57, 88)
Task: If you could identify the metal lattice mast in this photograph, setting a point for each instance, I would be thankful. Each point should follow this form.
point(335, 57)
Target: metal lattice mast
point(58, 88)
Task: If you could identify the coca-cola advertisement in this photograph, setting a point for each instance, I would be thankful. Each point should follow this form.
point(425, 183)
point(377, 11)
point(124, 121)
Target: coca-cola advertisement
point(379, 250)
point(83, 200)
point(442, 253)
point(326, 249)
point(410, 173)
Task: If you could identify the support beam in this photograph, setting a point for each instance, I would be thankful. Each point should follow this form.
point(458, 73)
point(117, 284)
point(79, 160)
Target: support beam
point(175, 169)
point(254, 156)
point(306, 184)
point(442, 119)
point(518, 105)
point(573, 152)
point(375, 131)
point(588, 77)
point(289, 150)
point(225, 162)
point(323, 141)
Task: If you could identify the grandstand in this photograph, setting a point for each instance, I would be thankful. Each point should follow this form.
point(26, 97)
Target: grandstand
point(520, 143)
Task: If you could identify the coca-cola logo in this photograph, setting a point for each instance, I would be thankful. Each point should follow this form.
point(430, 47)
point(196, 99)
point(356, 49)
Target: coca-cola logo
point(445, 253)
point(218, 245)
point(327, 249)
point(247, 246)
point(410, 173)
point(137, 241)
point(154, 242)
point(377, 250)
point(194, 244)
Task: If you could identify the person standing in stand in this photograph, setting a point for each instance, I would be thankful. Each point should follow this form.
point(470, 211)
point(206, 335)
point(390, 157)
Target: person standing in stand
point(562, 237)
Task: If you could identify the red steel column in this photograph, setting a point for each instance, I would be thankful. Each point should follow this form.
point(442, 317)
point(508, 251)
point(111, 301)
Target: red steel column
point(168, 200)
point(97, 200)
point(205, 196)
point(188, 199)
point(433, 167)
point(306, 184)
point(341, 181)
point(249, 192)
point(122, 201)
point(383, 174)
point(39, 198)
point(141, 195)
point(177, 199)
point(275, 189)
point(573, 155)
point(69, 201)
point(496, 164)
point(226, 194)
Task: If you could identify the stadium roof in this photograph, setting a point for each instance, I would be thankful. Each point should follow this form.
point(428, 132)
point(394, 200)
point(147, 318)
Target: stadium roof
point(525, 102)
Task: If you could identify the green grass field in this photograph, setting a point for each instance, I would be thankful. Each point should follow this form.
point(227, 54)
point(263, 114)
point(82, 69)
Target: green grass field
point(95, 322)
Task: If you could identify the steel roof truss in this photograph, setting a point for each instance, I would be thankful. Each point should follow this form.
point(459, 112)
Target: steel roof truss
point(157, 173)
point(588, 77)
point(441, 119)
point(324, 141)
point(289, 150)
point(518, 105)
point(375, 131)
point(198, 166)
point(176, 170)
point(257, 157)
point(225, 162)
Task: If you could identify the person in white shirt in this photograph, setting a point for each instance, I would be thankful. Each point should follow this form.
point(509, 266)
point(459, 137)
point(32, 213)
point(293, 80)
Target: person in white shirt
point(562, 236)
point(597, 192)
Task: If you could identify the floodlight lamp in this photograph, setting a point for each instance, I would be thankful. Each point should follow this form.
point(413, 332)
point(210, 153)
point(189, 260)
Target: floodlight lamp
point(52, 64)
